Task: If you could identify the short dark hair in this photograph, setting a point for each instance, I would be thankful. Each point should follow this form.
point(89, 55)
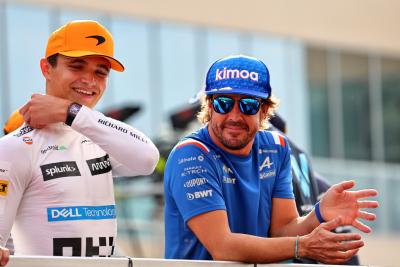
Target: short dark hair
point(53, 60)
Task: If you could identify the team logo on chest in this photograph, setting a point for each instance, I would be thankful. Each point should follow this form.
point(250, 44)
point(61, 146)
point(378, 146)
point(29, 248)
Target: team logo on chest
point(266, 168)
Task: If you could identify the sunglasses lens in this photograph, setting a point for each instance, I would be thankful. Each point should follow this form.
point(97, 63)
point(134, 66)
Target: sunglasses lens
point(223, 104)
point(249, 106)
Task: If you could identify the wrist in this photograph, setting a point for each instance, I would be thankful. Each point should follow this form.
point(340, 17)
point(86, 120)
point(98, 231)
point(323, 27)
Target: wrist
point(318, 214)
point(72, 111)
point(301, 251)
point(296, 248)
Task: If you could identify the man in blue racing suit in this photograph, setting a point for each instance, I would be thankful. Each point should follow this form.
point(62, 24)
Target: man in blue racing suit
point(228, 186)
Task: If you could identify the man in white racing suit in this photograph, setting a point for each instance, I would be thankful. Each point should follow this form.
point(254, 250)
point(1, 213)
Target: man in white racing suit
point(56, 187)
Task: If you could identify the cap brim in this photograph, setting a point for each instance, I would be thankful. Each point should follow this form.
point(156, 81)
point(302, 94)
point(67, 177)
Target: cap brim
point(242, 91)
point(115, 64)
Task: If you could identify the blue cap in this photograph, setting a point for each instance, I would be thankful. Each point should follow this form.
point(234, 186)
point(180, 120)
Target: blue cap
point(238, 75)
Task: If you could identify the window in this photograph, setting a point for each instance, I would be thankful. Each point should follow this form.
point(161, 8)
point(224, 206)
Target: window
point(319, 115)
point(356, 106)
point(391, 108)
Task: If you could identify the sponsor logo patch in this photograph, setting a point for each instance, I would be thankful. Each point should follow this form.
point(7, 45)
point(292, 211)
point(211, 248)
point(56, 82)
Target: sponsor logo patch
point(121, 129)
point(265, 151)
point(229, 180)
point(193, 170)
point(27, 140)
point(75, 213)
point(226, 74)
point(3, 188)
point(199, 194)
point(24, 130)
point(265, 175)
point(59, 169)
point(53, 147)
point(99, 165)
point(195, 182)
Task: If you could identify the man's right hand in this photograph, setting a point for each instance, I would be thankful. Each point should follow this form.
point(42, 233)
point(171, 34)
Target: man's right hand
point(328, 247)
point(4, 256)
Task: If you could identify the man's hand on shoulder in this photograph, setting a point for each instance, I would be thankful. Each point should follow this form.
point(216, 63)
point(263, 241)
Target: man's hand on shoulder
point(42, 110)
point(4, 256)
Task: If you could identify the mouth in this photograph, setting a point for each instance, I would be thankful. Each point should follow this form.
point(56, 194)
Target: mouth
point(235, 126)
point(84, 92)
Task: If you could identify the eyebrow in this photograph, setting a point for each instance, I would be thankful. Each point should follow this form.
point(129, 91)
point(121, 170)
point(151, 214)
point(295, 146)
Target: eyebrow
point(81, 61)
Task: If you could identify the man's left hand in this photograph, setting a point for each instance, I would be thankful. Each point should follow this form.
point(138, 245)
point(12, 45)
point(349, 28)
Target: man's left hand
point(338, 201)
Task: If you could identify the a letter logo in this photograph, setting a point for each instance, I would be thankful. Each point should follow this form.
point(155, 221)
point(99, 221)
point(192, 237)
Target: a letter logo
point(226, 74)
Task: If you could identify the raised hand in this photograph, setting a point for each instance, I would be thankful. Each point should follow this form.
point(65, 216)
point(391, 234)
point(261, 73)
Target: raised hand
point(338, 201)
point(42, 110)
point(328, 247)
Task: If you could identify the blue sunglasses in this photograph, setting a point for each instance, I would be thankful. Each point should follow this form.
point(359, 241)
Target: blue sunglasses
point(247, 105)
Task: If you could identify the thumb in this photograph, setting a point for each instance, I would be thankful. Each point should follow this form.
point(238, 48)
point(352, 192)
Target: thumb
point(332, 224)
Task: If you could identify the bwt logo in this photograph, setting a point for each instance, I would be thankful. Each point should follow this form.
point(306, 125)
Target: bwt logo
point(199, 194)
point(65, 213)
point(59, 169)
point(235, 74)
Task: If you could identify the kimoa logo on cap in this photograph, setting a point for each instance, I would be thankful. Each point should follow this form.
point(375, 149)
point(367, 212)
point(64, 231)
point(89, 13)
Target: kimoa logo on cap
point(100, 39)
point(235, 74)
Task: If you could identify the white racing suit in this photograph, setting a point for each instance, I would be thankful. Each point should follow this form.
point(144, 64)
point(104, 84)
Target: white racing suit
point(56, 187)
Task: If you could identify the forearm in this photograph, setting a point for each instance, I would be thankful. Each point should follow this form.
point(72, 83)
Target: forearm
point(298, 226)
point(122, 142)
point(253, 249)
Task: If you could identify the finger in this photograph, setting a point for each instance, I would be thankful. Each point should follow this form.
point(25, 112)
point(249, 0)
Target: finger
point(332, 224)
point(346, 237)
point(366, 193)
point(346, 246)
point(339, 256)
point(360, 226)
point(27, 117)
point(24, 108)
point(368, 204)
point(346, 255)
point(340, 187)
point(4, 256)
point(366, 215)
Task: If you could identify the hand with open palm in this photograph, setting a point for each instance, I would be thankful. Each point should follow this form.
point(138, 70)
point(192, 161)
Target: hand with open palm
point(338, 201)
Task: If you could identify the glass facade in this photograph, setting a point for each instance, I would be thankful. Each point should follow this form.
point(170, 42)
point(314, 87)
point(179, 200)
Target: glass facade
point(391, 108)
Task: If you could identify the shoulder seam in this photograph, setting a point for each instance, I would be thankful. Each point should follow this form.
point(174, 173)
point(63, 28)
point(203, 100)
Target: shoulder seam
point(191, 141)
point(278, 138)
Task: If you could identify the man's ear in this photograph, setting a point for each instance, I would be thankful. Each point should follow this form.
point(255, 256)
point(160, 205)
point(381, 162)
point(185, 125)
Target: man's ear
point(45, 67)
point(264, 111)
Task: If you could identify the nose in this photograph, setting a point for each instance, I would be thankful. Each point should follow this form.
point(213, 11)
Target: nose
point(88, 78)
point(235, 113)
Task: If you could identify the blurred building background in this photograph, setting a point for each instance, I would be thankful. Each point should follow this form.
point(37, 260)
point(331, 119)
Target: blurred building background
point(334, 65)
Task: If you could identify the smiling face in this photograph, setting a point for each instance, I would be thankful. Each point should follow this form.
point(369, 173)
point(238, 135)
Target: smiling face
point(234, 131)
point(79, 79)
